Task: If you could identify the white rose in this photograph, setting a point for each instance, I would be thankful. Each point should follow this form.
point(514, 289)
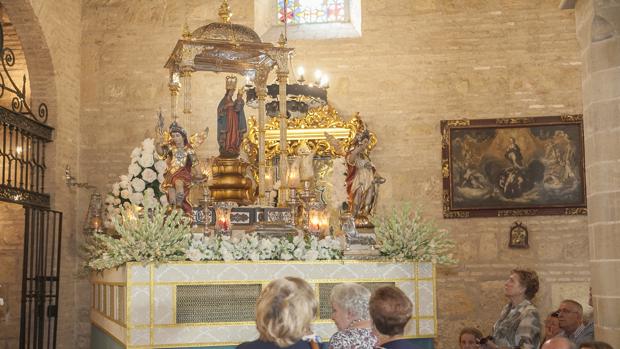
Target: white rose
point(286, 256)
point(125, 194)
point(134, 169)
point(146, 160)
point(124, 183)
point(149, 175)
point(135, 153)
point(117, 201)
point(148, 145)
point(311, 255)
point(115, 189)
point(160, 166)
point(298, 253)
point(138, 184)
point(126, 204)
point(149, 192)
point(195, 254)
point(109, 199)
point(160, 178)
point(136, 198)
point(226, 255)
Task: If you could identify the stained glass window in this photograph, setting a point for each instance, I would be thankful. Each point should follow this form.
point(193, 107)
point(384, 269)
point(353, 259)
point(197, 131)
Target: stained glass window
point(313, 11)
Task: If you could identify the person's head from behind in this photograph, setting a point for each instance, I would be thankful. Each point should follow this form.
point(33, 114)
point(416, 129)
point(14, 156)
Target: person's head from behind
point(559, 343)
point(284, 311)
point(390, 310)
point(570, 315)
point(349, 304)
point(595, 345)
point(469, 338)
point(552, 325)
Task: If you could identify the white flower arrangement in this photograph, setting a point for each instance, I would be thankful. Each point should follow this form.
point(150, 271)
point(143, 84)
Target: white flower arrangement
point(404, 235)
point(148, 237)
point(141, 185)
point(255, 248)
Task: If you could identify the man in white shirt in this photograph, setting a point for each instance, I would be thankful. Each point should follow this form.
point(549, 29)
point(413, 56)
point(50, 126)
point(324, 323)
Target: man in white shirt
point(571, 322)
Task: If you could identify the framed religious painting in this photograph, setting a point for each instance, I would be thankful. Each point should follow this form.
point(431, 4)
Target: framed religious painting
point(522, 166)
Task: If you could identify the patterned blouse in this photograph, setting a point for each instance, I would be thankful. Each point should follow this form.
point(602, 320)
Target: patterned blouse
point(518, 326)
point(353, 338)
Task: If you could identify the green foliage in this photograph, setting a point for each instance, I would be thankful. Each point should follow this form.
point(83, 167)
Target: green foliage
point(148, 238)
point(404, 234)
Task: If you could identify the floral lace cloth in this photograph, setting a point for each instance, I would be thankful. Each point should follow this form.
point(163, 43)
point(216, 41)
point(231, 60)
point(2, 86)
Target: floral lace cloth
point(353, 338)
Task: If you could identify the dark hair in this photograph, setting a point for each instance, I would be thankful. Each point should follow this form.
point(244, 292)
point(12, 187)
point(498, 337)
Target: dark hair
point(528, 279)
point(390, 310)
point(595, 345)
point(470, 330)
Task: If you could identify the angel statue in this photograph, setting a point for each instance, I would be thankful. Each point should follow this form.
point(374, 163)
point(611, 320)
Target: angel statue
point(362, 179)
point(181, 160)
point(231, 123)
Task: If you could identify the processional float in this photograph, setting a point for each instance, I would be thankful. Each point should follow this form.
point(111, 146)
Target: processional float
point(224, 47)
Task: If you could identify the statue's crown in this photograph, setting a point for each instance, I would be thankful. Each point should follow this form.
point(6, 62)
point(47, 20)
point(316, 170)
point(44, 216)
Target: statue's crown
point(175, 127)
point(231, 82)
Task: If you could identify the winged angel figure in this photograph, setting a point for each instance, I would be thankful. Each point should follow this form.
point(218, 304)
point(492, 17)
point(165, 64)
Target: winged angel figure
point(183, 168)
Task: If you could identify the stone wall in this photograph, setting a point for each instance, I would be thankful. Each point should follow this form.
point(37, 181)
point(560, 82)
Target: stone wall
point(598, 23)
point(11, 250)
point(416, 63)
point(50, 34)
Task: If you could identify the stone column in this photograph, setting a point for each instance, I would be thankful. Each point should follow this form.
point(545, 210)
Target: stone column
point(598, 32)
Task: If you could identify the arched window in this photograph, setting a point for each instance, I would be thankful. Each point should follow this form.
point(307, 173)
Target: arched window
point(297, 12)
point(309, 19)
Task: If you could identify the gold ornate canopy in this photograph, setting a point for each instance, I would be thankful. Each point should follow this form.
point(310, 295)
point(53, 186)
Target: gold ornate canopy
point(230, 48)
point(310, 129)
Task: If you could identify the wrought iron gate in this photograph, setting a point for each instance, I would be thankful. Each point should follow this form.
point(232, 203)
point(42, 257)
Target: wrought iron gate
point(24, 135)
point(39, 308)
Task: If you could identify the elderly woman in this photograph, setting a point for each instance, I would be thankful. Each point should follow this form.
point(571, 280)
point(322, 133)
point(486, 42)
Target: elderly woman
point(350, 313)
point(390, 310)
point(519, 323)
point(284, 311)
point(469, 338)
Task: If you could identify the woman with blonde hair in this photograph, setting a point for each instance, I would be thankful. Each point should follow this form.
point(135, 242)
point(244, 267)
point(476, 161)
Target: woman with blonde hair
point(284, 311)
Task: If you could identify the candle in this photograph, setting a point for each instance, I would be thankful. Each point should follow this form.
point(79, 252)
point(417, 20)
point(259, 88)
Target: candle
point(324, 222)
point(268, 179)
point(315, 223)
point(293, 177)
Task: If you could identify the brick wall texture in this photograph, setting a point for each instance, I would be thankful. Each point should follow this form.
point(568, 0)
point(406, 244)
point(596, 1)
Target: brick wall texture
point(416, 63)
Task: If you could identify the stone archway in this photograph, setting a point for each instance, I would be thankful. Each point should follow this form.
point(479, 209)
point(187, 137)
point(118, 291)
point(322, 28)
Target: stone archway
point(50, 35)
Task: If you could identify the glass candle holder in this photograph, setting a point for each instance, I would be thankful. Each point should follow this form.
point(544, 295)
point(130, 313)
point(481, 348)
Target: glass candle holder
point(223, 224)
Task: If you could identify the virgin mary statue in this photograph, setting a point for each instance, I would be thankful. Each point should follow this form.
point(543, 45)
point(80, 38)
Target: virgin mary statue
point(231, 123)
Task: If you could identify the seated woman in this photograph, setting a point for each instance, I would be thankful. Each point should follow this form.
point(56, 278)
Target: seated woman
point(390, 310)
point(469, 338)
point(284, 311)
point(552, 327)
point(350, 313)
